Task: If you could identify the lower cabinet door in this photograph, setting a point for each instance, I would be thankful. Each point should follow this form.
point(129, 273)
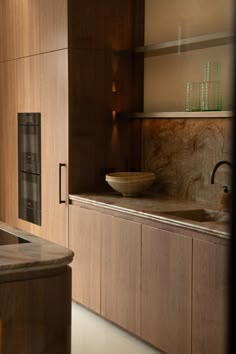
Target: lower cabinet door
point(166, 290)
point(85, 241)
point(210, 298)
point(121, 272)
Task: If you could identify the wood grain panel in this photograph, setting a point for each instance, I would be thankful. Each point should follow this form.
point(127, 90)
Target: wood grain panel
point(86, 23)
point(8, 143)
point(115, 24)
point(53, 25)
point(7, 29)
point(85, 241)
point(27, 28)
point(28, 84)
point(166, 290)
point(121, 272)
point(2, 146)
point(36, 315)
point(97, 32)
point(210, 298)
point(28, 100)
point(89, 111)
point(54, 125)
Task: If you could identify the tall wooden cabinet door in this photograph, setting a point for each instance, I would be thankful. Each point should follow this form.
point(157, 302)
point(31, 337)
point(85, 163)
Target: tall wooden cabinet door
point(53, 25)
point(121, 268)
point(8, 143)
point(28, 100)
point(210, 298)
point(85, 241)
point(2, 144)
point(27, 28)
point(28, 84)
point(54, 127)
point(166, 290)
point(7, 29)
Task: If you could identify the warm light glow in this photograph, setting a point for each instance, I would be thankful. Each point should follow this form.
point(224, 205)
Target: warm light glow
point(113, 86)
point(113, 115)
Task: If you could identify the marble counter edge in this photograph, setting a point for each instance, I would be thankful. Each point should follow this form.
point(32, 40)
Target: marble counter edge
point(154, 217)
point(39, 254)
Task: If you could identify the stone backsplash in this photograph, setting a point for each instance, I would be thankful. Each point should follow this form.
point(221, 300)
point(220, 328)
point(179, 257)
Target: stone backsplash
point(183, 153)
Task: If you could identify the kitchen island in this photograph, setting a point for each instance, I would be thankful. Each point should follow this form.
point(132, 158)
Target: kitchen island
point(35, 294)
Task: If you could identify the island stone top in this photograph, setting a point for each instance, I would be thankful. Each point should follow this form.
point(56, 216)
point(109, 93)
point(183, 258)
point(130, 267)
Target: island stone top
point(154, 207)
point(37, 254)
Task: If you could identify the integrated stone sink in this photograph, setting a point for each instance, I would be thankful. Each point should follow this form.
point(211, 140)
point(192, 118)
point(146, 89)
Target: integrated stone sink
point(200, 215)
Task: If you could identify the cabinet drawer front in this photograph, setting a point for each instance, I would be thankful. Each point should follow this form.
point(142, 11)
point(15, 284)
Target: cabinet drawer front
point(166, 290)
point(85, 241)
point(121, 261)
point(210, 298)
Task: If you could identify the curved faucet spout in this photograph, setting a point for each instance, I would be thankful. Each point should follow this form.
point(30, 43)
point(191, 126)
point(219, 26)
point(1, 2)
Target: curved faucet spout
point(216, 167)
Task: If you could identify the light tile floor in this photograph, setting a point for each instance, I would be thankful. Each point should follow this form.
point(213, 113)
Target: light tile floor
point(93, 335)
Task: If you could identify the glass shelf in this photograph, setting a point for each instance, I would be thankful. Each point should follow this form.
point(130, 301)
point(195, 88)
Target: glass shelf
point(186, 44)
point(178, 115)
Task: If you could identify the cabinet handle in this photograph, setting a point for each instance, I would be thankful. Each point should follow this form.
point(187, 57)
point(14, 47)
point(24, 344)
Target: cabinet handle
point(60, 166)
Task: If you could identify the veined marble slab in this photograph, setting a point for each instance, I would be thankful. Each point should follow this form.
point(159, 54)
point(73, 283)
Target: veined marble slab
point(38, 254)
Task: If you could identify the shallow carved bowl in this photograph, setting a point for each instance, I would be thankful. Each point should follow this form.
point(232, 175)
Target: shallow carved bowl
point(130, 184)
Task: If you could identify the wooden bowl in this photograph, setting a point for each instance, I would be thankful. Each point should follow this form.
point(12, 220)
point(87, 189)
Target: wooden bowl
point(130, 184)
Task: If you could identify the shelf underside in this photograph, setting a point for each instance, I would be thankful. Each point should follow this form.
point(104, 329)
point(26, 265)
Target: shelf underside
point(186, 44)
point(180, 115)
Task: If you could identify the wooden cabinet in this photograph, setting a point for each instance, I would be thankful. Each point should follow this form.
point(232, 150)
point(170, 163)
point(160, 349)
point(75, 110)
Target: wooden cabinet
point(166, 290)
point(121, 272)
point(54, 148)
point(28, 100)
point(7, 29)
point(35, 312)
point(85, 241)
point(169, 289)
point(30, 27)
point(42, 86)
point(210, 298)
point(28, 84)
point(53, 25)
point(8, 143)
point(27, 28)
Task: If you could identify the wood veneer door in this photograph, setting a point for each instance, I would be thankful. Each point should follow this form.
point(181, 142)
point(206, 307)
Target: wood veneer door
point(8, 143)
point(121, 272)
point(28, 84)
point(85, 241)
point(36, 314)
point(54, 139)
point(210, 298)
point(27, 28)
point(2, 147)
point(53, 25)
point(166, 290)
point(7, 29)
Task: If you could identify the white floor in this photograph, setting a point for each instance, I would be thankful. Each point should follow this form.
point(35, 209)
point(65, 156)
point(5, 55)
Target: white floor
point(93, 335)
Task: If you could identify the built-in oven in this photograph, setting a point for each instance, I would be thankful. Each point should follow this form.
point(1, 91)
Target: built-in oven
point(29, 166)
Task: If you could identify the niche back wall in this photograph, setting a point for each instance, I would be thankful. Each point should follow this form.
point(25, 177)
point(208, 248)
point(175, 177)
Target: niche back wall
point(183, 152)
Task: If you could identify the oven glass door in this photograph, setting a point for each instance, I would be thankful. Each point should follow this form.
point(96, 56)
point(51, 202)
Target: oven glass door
point(29, 149)
point(30, 197)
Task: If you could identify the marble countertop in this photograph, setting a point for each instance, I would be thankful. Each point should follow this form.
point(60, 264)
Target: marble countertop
point(38, 254)
point(155, 208)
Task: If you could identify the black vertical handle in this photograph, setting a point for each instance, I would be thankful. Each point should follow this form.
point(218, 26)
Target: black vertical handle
point(60, 166)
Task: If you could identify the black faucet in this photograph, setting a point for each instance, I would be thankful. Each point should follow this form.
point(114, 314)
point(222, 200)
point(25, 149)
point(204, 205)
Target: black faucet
point(216, 167)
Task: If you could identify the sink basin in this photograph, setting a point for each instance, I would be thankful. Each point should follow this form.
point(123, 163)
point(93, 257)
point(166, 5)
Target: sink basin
point(200, 215)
